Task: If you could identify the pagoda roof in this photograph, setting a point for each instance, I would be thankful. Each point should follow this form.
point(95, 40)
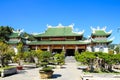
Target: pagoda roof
point(13, 42)
point(101, 41)
point(100, 32)
point(57, 42)
point(14, 35)
point(59, 31)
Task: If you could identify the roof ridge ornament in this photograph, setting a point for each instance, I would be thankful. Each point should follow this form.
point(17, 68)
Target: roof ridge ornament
point(98, 28)
point(18, 31)
point(104, 28)
point(71, 25)
point(93, 29)
point(78, 32)
point(60, 25)
point(49, 26)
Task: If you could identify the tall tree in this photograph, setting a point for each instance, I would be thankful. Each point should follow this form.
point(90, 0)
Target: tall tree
point(5, 31)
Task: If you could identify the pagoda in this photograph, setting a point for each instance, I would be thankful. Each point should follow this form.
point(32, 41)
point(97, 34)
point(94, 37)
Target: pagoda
point(15, 38)
point(59, 38)
point(99, 40)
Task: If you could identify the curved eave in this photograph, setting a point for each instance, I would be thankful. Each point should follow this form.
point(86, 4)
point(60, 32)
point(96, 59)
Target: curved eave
point(56, 35)
point(107, 35)
point(101, 41)
point(12, 42)
point(14, 35)
point(57, 43)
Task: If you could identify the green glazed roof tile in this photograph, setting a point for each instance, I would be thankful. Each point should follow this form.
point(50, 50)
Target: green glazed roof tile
point(59, 31)
point(100, 33)
point(13, 42)
point(14, 35)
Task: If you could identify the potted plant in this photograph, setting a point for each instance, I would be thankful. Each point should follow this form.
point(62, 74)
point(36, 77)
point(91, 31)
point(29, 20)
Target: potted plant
point(46, 71)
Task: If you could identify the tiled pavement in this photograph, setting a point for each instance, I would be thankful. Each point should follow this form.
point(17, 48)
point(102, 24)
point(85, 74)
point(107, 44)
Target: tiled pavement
point(68, 72)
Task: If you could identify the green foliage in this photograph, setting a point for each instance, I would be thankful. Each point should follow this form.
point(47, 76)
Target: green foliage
point(59, 58)
point(20, 47)
point(111, 52)
point(6, 52)
point(117, 58)
point(5, 31)
point(117, 49)
point(29, 37)
point(20, 54)
point(85, 57)
point(28, 56)
point(90, 58)
point(45, 58)
point(37, 53)
point(45, 55)
point(77, 55)
point(46, 69)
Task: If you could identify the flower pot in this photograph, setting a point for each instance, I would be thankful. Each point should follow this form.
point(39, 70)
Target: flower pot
point(19, 67)
point(46, 74)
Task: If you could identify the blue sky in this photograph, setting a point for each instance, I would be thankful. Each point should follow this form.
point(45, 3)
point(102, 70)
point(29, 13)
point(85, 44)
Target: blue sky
point(34, 15)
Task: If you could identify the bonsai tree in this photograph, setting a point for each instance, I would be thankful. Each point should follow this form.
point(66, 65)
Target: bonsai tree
point(37, 55)
point(33, 56)
point(46, 71)
point(59, 59)
point(45, 58)
point(6, 52)
point(29, 57)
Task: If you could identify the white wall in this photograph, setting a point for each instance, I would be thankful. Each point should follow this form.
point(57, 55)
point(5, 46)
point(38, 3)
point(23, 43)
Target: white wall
point(98, 47)
point(15, 49)
point(89, 48)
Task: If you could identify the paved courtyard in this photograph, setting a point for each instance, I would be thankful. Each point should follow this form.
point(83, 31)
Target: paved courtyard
point(68, 72)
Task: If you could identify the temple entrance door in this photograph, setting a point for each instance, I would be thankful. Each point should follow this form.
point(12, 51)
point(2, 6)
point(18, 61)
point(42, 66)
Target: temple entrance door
point(70, 52)
point(44, 49)
point(56, 50)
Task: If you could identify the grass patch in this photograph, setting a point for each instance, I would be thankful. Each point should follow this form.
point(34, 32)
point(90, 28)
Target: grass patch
point(7, 67)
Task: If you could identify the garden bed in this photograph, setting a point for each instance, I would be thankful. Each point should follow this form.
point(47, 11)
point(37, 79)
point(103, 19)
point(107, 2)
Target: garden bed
point(8, 71)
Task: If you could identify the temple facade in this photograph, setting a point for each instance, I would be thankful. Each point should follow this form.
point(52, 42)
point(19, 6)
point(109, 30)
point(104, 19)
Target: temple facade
point(63, 38)
point(15, 38)
point(60, 38)
point(99, 40)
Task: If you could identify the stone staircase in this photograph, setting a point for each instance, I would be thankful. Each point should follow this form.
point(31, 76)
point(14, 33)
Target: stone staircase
point(70, 59)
